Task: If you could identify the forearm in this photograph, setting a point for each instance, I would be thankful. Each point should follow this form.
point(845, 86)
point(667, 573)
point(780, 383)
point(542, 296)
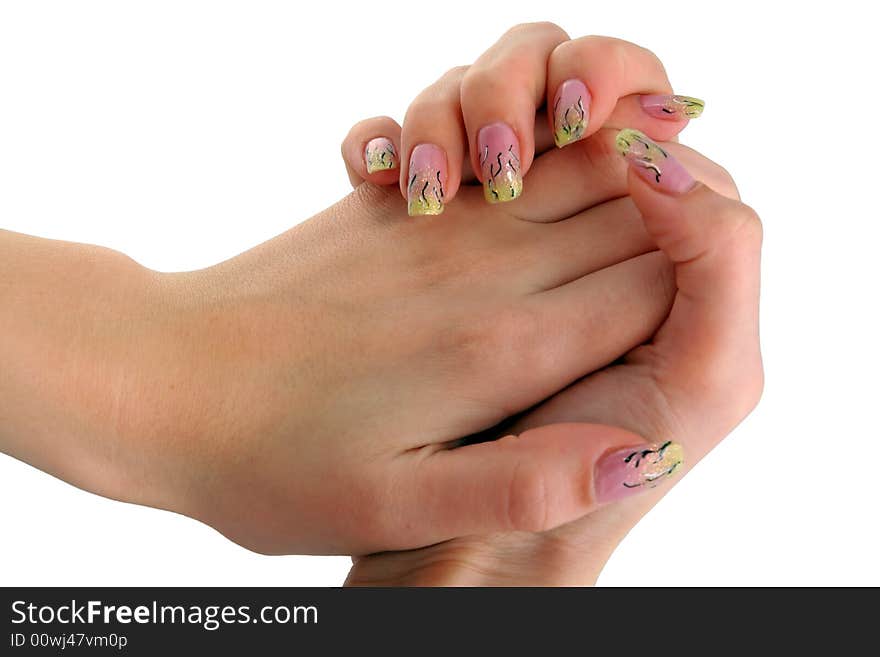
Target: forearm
point(67, 313)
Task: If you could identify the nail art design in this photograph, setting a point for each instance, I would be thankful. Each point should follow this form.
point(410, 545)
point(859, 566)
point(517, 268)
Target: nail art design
point(672, 107)
point(379, 154)
point(499, 163)
point(427, 180)
point(627, 471)
point(652, 162)
point(571, 112)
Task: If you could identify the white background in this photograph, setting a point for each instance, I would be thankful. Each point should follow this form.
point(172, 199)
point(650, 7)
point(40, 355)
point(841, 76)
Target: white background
point(185, 132)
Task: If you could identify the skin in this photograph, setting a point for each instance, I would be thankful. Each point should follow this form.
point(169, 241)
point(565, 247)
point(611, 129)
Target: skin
point(302, 396)
point(693, 382)
point(514, 81)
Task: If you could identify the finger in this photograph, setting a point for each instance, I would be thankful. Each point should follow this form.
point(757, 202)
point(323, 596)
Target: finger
point(613, 310)
point(543, 143)
point(553, 338)
point(714, 243)
point(371, 150)
point(499, 95)
point(605, 235)
point(569, 180)
point(592, 77)
point(433, 141)
point(662, 117)
point(543, 478)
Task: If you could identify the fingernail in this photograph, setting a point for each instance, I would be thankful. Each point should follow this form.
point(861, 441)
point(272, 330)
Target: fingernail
point(499, 163)
point(672, 107)
point(427, 180)
point(653, 163)
point(628, 471)
point(571, 112)
point(380, 155)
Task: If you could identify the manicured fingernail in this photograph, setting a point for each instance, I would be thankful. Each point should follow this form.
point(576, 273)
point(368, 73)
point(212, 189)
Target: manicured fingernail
point(625, 472)
point(380, 155)
point(571, 112)
point(653, 163)
point(500, 163)
point(427, 180)
point(673, 108)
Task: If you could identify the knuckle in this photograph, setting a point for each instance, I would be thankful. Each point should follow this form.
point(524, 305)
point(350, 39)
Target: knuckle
point(648, 54)
point(539, 27)
point(754, 389)
point(480, 82)
point(746, 225)
point(742, 387)
point(722, 182)
point(527, 503)
point(424, 105)
point(490, 344)
point(454, 75)
point(612, 51)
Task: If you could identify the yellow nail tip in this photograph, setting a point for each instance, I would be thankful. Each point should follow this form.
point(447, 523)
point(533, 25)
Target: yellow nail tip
point(384, 166)
point(664, 461)
point(691, 107)
point(565, 139)
point(625, 138)
point(425, 211)
point(380, 156)
point(502, 193)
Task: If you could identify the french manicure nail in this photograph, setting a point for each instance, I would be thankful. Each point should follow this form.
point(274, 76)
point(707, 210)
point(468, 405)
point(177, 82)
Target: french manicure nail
point(628, 471)
point(653, 163)
point(500, 163)
point(672, 107)
point(571, 112)
point(427, 180)
point(380, 155)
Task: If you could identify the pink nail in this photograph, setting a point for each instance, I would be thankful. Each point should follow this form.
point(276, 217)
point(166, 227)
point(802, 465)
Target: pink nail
point(380, 155)
point(571, 112)
point(653, 163)
point(500, 163)
point(672, 108)
point(427, 180)
point(628, 471)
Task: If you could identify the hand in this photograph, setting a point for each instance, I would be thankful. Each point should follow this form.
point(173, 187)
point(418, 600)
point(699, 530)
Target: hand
point(302, 396)
point(586, 83)
point(692, 383)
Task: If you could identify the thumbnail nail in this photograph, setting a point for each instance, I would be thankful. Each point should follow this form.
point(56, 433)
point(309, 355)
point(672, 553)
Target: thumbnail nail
point(653, 163)
point(628, 471)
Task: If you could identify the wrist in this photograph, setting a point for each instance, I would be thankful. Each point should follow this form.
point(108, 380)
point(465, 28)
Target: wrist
point(70, 323)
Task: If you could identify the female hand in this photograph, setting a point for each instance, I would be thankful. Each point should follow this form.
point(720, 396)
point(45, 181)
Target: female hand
point(492, 118)
point(302, 396)
point(692, 383)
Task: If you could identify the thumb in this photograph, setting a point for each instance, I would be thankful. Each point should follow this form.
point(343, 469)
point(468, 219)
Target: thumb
point(714, 243)
point(541, 479)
